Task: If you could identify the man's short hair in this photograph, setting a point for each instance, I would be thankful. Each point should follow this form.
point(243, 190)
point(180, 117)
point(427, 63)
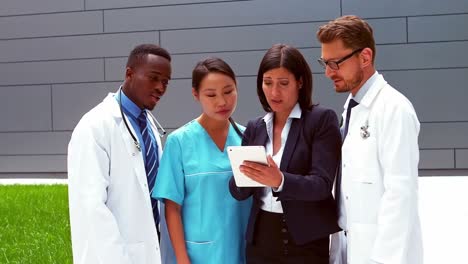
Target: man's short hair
point(139, 53)
point(355, 33)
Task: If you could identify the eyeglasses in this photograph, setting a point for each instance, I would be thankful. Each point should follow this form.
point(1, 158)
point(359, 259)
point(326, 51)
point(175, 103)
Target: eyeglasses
point(334, 65)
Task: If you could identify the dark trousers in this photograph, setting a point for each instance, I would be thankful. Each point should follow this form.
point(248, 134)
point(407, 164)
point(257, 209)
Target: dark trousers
point(272, 244)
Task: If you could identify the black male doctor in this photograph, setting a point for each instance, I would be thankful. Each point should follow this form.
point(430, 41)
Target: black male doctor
point(113, 157)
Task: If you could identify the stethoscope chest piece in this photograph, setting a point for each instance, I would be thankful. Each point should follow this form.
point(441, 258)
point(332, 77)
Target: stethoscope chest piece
point(137, 145)
point(364, 130)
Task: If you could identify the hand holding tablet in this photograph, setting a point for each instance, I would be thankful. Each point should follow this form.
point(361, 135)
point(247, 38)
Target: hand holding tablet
point(239, 154)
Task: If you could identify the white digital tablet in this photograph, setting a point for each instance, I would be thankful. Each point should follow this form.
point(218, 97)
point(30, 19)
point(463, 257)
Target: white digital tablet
point(237, 155)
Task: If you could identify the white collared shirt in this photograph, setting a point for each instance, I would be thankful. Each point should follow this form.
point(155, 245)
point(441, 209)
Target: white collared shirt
point(270, 202)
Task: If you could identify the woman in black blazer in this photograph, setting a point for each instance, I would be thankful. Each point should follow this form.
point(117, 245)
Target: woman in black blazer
point(291, 219)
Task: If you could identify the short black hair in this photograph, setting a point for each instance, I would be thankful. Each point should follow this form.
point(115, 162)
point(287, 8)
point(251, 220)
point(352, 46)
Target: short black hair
point(141, 51)
point(290, 58)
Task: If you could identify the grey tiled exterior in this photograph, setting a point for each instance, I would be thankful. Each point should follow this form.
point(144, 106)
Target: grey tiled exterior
point(59, 58)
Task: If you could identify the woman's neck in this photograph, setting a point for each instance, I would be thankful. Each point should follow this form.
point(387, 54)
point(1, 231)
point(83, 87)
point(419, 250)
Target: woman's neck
point(218, 130)
point(280, 118)
point(211, 124)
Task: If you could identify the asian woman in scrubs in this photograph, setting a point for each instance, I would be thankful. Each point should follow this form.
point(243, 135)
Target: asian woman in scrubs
point(205, 223)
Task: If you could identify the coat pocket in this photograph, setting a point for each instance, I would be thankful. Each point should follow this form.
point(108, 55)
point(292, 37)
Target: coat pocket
point(200, 251)
point(364, 200)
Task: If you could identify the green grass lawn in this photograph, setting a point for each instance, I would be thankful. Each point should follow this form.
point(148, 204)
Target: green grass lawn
point(34, 225)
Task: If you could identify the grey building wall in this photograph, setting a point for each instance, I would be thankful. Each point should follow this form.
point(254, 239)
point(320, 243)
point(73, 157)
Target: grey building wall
point(59, 58)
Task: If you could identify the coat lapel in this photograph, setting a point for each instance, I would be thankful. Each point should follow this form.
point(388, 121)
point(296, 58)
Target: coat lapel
point(290, 146)
point(134, 154)
point(261, 136)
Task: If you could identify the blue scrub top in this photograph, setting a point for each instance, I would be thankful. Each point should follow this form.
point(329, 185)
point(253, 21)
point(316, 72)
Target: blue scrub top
point(195, 173)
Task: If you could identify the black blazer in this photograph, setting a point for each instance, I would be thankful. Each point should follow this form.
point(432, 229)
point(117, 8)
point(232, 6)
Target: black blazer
point(309, 164)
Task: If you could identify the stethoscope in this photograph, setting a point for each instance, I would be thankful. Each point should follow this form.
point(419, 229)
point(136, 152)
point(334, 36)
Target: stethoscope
point(135, 141)
point(365, 133)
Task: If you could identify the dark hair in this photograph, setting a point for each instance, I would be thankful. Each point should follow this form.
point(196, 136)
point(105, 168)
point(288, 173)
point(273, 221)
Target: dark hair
point(141, 51)
point(355, 33)
point(290, 58)
point(209, 65)
point(213, 65)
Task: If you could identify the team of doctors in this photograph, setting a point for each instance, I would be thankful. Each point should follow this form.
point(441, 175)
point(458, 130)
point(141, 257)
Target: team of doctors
point(334, 193)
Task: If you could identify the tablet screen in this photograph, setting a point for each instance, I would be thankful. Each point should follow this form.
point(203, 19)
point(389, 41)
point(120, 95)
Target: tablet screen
point(238, 154)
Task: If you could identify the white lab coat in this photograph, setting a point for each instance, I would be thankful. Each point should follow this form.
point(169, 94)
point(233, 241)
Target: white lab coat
point(380, 182)
point(110, 209)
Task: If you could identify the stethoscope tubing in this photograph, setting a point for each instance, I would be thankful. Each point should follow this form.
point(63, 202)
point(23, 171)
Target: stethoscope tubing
point(135, 141)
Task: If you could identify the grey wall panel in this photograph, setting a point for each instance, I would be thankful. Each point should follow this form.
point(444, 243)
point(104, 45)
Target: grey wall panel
point(105, 4)
point(34, 143)
point(115, 68)
point(177, 106)
point(62, 57)
point(248, 105)
point(33, 175)
point(437, 95)
point(33, 164)
point(389, 57)
point(443, 135)
point(262, 37)
point(51, 25)
point(325, 95)
point(218, 14)
point(437, 28)
point(436, 159)
point(422, 56)
point(72, 101)
point(164, 138)
point(52, 72)
point(25, 108)
point(387, 8)
point(75, 47)
point(16, 7)
point(239, 38)
point(461, 156)
point(389, 30)
point(244, 63)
